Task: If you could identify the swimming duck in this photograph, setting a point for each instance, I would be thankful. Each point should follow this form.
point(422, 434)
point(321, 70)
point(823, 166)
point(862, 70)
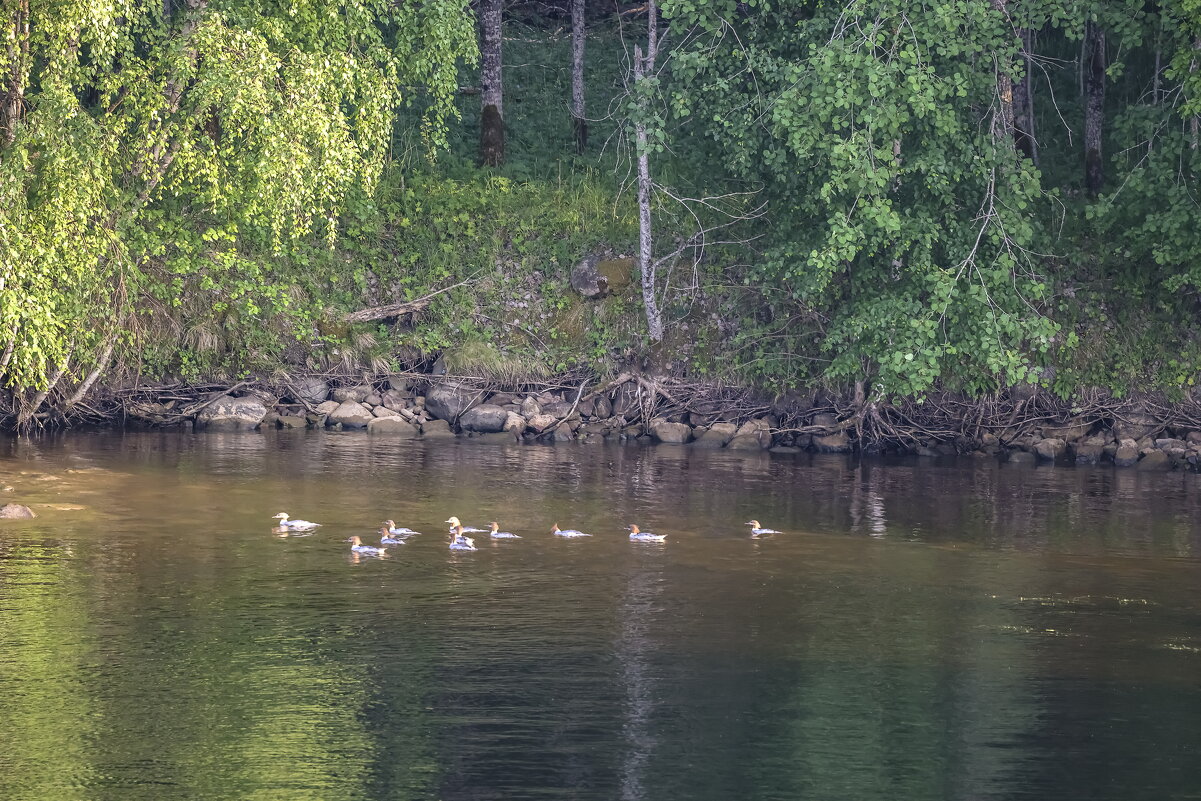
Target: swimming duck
point(501, 535)
point(569, 532)
point(400, 531)
point(454, 521)
point(757, 529)
point(387, 539)
point(458, 542)
point(358, 547)
point(293, 525)
point(638, 535)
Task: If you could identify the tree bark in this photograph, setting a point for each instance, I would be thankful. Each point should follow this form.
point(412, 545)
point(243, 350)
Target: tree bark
point(579, 124)
point(644, 65)
point(1023, 102)
point(1094, 107)
point(492, 116)
point(1002, 127)
point(1195, 122)
point(13, 104)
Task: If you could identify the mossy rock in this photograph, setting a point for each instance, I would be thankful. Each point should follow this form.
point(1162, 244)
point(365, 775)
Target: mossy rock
point(617, 273)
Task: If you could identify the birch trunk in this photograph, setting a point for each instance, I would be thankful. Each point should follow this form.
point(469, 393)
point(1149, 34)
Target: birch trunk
point(18, 61)
point(579, 124)
point(492, 116)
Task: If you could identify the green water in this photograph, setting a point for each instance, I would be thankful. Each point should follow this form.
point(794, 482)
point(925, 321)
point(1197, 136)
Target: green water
point(959, 630)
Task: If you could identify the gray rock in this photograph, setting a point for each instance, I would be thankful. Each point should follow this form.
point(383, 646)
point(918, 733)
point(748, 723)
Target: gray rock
point(562, 434)
point(515, 423)
point(1155, 460)
point(435, 429)
point(716, 436)
point(838, 442)
point(497, 437)
point(384, 411)
point(449, 401)
point(594, 277)
point(541, 422)
point(530, 407)
point(487, 418)
point(1087, 452)
point(1168, 444)
point(328, 407)
point(392, 425)
point(398, 383)
point(1069, 432)
point(1050, 449)
point(374, 399)
point(671, 433)
point(15, 511)
point(350, 415)
point(1136, 425)
point(292, 421)
point(602, 408)
point(232, 414)
point(356, 394)
point(311, 390)
point(1021, 457)
point(752, 435)
point(503, 399)
point(1194, 438)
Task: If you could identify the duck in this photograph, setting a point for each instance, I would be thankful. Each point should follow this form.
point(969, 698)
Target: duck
point(357, 546)
point(501, 535)
point(395, 530)
point(638, 535)
point(454, 522)
point(458, 542)
point(386, 538)
point(293, 525)
point(757, 529)
point(568, 532)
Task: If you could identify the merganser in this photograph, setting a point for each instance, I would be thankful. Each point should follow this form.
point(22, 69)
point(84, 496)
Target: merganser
point(357, 546)
point(756, 529)
point(638, 535)
point(568, 532)
point(460, 543)
point(395, 530)
point(387, 539)
point(293, 525)
point(501, 535)
point(454, 521)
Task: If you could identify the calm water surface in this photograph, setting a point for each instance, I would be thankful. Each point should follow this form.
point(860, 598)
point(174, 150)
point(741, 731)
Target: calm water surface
point(956, 630)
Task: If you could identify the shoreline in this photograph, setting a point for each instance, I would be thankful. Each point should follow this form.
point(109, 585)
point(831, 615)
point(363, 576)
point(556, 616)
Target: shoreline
point(1022, 424)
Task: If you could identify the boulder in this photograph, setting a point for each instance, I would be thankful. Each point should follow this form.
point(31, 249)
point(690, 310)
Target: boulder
point(487, 418)
point(15, 511)
point(232, 414)
point(562, 434)
point(398, 383)
point(1021, 457)
point(1135, 425)
point(292, 421)
point(1050, 449)
point(1069, 432)
point(310, 390)
point(530, 407)
point(541, 422)
point(595, 277)
point(1194, 438)
point(449, 401)
point(670, 433)
point(435, 429)
point(1168, 444)
point(602, 408)
point(350, 414)
point(1126, 454)
point(328, 407)
point(752, 435)
point(1155, 460)
point(1087, 452)
point(356, 394)
point(392, 425)
point(384, 411)
point(717, 436)
point(503, 399)
point(374, 399)
point(515, 423)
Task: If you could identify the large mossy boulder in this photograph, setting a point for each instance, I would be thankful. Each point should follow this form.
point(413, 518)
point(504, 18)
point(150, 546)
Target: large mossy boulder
point(449, 401)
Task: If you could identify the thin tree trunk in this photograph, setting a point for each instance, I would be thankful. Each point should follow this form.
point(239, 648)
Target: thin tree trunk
point(1023, 102)
point(101, 365)
point(1195, 122)
point(1003, 120)
point(579, 124)
point(1094, 107)
point(18, 66)
point(642, 67)
point(492, 110)
point(26, 415)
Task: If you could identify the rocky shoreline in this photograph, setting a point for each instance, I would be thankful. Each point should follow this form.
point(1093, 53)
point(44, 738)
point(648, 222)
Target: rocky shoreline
point(635, 408)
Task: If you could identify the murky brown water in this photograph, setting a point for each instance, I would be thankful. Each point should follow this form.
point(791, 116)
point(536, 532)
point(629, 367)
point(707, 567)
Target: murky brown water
point(922, 631)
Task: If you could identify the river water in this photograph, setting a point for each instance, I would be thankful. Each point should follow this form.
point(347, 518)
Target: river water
point(950, 630)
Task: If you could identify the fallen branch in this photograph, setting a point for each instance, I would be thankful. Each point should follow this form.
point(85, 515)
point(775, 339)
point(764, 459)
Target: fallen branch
point(397, 309)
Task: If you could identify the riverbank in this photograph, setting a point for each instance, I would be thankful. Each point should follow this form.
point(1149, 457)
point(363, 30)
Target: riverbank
point(1024, 424)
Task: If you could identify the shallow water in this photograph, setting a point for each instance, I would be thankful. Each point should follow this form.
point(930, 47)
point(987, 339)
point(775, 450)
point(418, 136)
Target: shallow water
point(957, 630)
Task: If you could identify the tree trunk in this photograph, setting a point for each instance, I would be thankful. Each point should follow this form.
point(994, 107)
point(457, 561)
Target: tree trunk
point(1094, 107)
point(492, 116)
point(645, 240)
point(13, 103)
point(579, 124)
point(1023, 102)
point(1002, 126)
point(1195, 122)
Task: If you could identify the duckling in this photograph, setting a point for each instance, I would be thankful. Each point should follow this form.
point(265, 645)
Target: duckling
point(386, 538)
point(569, 532)
point(757, 530)
point(400, 531)
point(458, 542)
point(357, 546)
point(454, 521)
point(638, 535)
point(293, 525)
point(501, 535)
